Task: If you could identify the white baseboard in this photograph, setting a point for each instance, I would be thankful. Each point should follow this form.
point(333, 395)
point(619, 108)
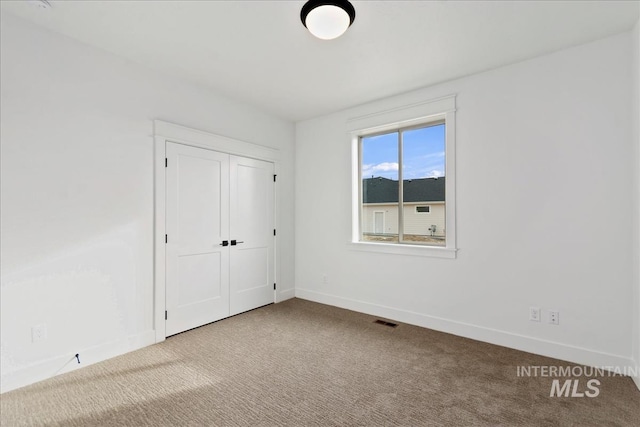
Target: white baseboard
point(285, 295)
point(493, 336)
point(636, 378)
point(68, 362)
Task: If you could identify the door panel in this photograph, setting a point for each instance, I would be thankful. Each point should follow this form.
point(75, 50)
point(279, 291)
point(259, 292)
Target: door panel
point(197, 289)
point(197, 270)
point(252, 224)
point(257, 272)
point(379, 222)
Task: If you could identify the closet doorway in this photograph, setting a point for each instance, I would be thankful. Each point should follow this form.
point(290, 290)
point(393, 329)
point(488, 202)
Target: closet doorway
point(219, 236)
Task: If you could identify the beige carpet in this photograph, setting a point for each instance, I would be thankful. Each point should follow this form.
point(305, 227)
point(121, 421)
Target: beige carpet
point(300, 363)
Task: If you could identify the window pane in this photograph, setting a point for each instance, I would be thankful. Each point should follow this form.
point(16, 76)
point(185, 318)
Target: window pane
point(379, 174)
point(423, 175)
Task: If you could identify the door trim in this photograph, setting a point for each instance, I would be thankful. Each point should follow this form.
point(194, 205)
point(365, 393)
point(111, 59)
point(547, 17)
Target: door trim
point(164, 132)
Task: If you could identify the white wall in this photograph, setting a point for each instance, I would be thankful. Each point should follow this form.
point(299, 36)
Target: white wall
point(543, 148)
point(636, 248)
point(77, 195)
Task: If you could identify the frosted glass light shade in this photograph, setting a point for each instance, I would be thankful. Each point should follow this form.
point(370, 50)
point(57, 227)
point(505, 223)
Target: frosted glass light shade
point(327, 22)
point(327, 19)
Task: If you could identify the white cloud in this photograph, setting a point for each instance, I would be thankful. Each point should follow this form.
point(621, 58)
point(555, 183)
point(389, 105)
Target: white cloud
point(372, 170)
point(437, 155)
point(386, 167)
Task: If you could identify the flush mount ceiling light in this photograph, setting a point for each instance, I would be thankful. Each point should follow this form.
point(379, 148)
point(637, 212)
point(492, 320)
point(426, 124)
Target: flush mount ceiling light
point(327, 19)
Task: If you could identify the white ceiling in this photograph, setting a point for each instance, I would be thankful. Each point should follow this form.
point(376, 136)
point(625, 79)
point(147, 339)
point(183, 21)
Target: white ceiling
point(259, 52)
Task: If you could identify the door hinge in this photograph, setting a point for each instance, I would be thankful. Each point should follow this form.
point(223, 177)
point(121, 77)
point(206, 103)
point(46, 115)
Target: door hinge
point(166, 315)
point(274, 286)
point(166, 238)
point(274, 231)
point(166, 162)
point(274, 178)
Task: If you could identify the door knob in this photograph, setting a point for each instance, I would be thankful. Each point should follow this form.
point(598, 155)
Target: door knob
point(225, 243)
point(234, 242)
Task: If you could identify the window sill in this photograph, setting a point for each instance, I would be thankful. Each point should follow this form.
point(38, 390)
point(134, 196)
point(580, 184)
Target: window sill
point(399, 249)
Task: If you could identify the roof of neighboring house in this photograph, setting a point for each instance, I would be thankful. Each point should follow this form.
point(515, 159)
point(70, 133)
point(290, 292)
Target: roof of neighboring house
point(384, 190)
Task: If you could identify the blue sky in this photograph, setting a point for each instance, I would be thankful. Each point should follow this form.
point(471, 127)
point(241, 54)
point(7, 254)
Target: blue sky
point(423, 151)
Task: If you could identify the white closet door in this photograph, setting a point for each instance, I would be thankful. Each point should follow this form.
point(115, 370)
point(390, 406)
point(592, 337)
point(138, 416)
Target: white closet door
point(251, 225)
point(197, 221)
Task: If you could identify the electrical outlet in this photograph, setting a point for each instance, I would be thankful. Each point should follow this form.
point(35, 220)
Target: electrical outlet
point(325, 279)
point(554, 317)
point(38, 333)
point(534, 314)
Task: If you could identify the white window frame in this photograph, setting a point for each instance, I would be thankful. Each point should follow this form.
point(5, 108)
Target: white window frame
point(394, 119)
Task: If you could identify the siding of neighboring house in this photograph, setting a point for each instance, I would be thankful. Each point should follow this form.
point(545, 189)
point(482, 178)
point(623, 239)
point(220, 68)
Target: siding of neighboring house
point(419, 223)
point(390, 217)
point(381, 195)
point(415, 223)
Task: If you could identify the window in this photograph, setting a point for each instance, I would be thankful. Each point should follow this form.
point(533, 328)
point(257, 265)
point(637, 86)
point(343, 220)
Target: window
point(403, 179)
point(400, 171)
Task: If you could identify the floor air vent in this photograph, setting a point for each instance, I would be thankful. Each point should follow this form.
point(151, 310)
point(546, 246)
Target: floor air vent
point(382, 322)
